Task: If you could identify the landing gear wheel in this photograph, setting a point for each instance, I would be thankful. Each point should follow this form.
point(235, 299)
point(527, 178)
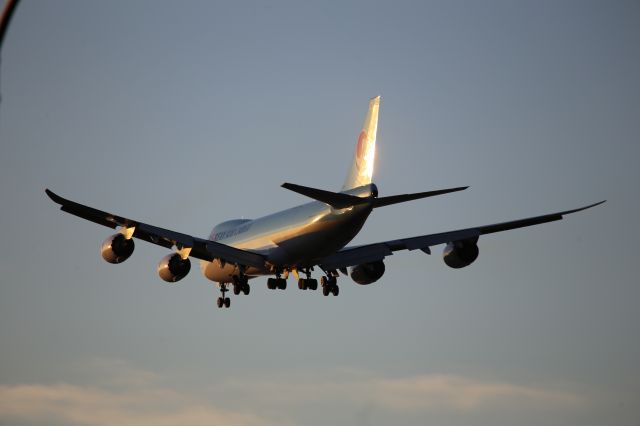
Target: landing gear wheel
point(271, 284)
point(222, 300)
point(329, 285)
point(324, 281)
point(282, 284)
point(312, 284)
point(302, 284)
point(246, 289)
point(236, 289)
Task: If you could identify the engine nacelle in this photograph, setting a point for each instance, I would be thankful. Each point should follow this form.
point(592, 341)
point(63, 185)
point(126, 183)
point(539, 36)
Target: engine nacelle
point(458, 254)
point(117, 249)
point(173, 267)
point(367, 273)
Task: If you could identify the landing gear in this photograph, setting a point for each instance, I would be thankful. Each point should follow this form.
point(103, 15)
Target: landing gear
point(307, 283)
point(329, 285)
point(222, 300)
point(226, 302)
point(277, 283)
point(241, 285)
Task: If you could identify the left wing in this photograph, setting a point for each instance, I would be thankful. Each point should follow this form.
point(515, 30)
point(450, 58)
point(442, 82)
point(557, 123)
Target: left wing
point(350, 256)
point(200, 248)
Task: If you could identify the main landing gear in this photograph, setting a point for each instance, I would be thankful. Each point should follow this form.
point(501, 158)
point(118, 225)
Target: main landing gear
point(329, 285)
point(307, 283)
point(328, 282)
point(277, 283)
point(241, 285)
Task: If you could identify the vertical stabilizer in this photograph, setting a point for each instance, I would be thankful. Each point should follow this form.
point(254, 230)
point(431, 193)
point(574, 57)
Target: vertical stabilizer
point(361, 171)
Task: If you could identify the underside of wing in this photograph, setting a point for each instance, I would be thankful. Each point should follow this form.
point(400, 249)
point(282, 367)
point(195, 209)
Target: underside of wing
point(195, 247)
point(461, 244)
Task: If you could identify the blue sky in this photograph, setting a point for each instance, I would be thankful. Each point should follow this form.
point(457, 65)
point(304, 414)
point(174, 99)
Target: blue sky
point(186, 115)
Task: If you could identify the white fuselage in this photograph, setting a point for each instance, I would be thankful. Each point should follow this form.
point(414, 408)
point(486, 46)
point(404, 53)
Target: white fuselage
point(290, 238)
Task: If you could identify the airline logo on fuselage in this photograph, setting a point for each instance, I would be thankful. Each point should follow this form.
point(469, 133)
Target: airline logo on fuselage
point(222, 235)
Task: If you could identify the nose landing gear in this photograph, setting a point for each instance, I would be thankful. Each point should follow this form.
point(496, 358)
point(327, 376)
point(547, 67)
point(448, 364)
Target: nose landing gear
point(223, 301)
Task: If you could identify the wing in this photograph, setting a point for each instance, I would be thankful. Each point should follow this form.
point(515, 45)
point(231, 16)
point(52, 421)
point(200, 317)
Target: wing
point(350, 256)
point(200, 248)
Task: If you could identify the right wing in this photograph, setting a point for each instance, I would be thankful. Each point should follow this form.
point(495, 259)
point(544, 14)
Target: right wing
point(351, 256)
point(200, 248)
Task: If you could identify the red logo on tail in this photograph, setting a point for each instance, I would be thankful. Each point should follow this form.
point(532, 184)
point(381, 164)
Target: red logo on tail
point(361, 148)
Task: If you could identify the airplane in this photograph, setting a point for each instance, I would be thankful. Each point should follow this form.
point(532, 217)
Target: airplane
point(298, 240)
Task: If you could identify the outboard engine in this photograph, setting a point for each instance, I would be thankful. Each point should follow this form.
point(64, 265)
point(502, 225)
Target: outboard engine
point(458, 254)
point(367, 273)
point(117, 248)
point(173, 267)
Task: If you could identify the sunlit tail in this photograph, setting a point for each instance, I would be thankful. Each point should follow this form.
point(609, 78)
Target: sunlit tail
point(361, 171)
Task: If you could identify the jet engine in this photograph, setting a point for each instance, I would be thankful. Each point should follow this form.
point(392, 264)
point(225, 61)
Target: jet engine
point(173, 267)
point(458, 254)
point(367, 273)
point(117, 248)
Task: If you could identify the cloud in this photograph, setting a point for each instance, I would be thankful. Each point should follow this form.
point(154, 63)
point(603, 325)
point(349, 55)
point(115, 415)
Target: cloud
point(82, 405)
point(433, 392)
point(459, 393)
point(122, 395)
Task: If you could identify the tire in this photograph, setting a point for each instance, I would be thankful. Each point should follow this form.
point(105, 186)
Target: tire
point(325, 290)
point(335, 290)
point(282, 284)
point(220, 302)
point(236, 289)
point(313, 284)
point(246, 289)
point(271, 284)
point(227, 302)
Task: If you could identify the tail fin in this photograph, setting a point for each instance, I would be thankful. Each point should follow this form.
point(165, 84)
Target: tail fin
point(361, 171)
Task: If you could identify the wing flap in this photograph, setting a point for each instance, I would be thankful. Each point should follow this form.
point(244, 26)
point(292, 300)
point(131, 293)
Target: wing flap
point(356, 256)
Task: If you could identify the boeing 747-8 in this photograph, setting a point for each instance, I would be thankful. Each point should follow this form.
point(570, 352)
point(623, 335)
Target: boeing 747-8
point(299, 239)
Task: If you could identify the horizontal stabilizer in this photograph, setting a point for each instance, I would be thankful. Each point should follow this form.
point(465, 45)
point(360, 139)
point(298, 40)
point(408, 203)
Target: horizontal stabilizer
point(334, 199)
point(394, 199)
point(341, 200)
